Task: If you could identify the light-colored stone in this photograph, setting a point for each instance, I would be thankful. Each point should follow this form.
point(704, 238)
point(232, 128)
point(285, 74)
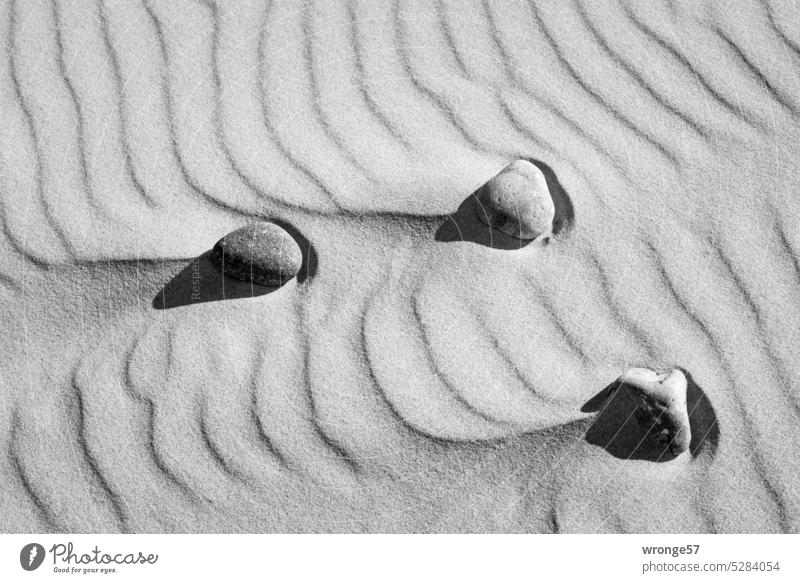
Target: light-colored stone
point(661, 410)
point(517, 202)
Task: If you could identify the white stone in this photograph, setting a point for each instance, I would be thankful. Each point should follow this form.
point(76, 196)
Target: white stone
point(517, 202)
point(662, 410)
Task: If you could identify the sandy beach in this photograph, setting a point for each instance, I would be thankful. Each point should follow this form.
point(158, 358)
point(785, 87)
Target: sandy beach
point(423, 372)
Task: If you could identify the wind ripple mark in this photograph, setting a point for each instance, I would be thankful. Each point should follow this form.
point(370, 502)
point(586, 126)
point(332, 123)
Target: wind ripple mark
point(620, 61)
point(153, 449)
point(119, 85)
point(213, 449)
point(169, 106)
point(665, 45)
point(311, 67)
point(433, 98)
point(596, 97)
point(639, 334)
point(517, 82)
point(450, 39)
point(778, 364)
point(513, 76)
point(263, 432)
point(10, 283)
point(266, 115)
point(570, 339)
point(114, 498)
point(374, 108)
point(776, 94)
point(336, 448)
point(506, 62)
point(370, 367)
point(45, 511)
point(430, 356)
point(790, 251)
point(219, 95)
point(793, 46)
point(62, 68)
point(63, 240)
point(748, 425)
point(513, 367)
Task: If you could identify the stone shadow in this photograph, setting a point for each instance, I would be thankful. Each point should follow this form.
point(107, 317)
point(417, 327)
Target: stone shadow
point(201, 280)
point(465, 225)
point(616, 429)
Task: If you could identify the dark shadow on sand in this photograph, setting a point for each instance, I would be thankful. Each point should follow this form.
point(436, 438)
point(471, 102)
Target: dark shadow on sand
point(616, 430)
point(203, 281)
point(464, 224)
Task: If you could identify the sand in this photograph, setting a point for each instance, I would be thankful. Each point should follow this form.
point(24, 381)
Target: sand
point(422, 374)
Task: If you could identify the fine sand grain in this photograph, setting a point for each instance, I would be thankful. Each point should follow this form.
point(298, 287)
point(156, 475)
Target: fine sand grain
point(422, 372)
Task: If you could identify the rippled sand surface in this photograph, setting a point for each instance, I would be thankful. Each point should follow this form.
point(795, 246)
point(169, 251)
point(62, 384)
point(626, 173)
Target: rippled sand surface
point(422, 373)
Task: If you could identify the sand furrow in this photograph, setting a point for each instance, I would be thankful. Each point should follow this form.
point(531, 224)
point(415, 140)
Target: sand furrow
point(635, 126)
point(42, 201)
point(408, 37)
point(432, 356)
point(776, 93)
point(781, 29)
point(275, 111)
point(116, 501)
point(364, 84)
point(245, 132)
point(416, 395)
point(219, 118)
point(46, 515)
point(185, 36)
point(637, 76)
point(80, 120)
point(132, 169)
point(746, 426)
point(324, 89)
point(666, 42)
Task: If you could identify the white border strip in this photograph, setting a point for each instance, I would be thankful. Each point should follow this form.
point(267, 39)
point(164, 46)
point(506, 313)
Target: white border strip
point(407, 558)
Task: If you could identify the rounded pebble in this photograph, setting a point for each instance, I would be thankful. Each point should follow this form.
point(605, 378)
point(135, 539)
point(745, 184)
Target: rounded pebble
point(263, 253)
point(662, 410)
point(517, 202)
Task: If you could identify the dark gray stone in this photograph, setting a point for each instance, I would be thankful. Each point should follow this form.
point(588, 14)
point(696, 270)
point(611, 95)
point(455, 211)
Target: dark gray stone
point(262, 253)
